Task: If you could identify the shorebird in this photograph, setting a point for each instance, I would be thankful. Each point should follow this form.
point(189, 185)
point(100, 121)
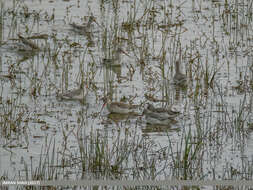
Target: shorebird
point(159, 116)
point(75, 94)
point(179, 78)
point(81, 29)
point(28, 43)
point(119, 107)
point(116, 57)
point(160, 113)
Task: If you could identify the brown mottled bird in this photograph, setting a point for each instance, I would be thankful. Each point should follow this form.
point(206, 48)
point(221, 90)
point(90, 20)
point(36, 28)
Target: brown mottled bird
point(159, 116)
point(28, 43)
point(83, 28)
point(119, 107)
point(75, 94)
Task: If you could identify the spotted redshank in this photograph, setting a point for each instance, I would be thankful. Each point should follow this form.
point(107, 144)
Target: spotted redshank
point(159, 116)
point(81, 29)
point(29, 44)
point(160, 113)
point(116, 58)
point(119, 107)
point(75, 94)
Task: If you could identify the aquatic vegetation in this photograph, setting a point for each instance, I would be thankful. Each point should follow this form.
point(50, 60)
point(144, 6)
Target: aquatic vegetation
point(144, 57)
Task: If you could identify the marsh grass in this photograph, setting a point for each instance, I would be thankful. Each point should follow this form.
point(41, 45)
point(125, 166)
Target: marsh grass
point(12, 121)
point(215, 109)
point(119, 158)
point(187, 162)
point(48, 166)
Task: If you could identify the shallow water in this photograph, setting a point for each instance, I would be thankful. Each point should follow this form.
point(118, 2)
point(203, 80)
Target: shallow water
point(212, 43)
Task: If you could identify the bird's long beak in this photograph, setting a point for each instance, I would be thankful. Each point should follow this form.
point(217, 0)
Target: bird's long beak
point(102, 107)
point(124, 52)
point(97, 23)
